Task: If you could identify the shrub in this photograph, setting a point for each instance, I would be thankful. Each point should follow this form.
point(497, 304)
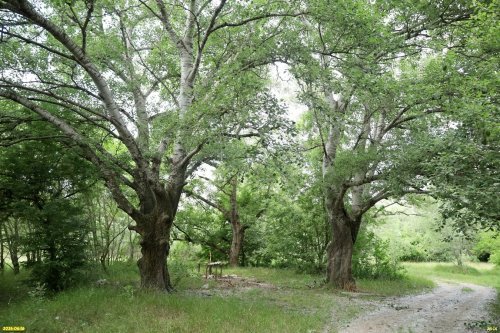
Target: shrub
point(487, 247)
point(61, 239)
point(371, 258)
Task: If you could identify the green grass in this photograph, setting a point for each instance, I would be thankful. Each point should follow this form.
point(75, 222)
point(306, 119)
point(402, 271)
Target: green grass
point(296, 303)
point(482, 274)
point(12, 288)
point(290, 279)
point(118, 306)
point(109, 310)
point(407, 285)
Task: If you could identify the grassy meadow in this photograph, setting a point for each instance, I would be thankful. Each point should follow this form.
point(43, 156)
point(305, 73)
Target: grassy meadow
point(258, 300)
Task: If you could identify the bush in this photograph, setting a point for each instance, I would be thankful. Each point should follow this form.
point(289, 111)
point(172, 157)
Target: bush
point(495, 258)
point(371, 258)
point(61, 239)
point(487, 247)
point(183, 261)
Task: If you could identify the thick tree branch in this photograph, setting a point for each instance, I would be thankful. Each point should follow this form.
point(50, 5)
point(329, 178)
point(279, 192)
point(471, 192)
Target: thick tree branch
point(215, 205)
point(365, 180)
point(252, 19)
point(165, 19)
point(25, 9)
point(107, 173)
point(209, 30)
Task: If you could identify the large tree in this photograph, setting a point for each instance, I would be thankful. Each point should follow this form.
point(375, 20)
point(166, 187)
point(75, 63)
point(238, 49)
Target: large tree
point(161, 81)
point(371, 100)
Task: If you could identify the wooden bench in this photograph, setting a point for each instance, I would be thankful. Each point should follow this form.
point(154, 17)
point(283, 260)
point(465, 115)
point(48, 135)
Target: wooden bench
point(212, 268)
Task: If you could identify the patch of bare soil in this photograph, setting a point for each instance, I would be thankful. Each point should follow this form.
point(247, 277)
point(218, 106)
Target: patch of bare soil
point(234, 281)
point(230, 284)
point(451, 307)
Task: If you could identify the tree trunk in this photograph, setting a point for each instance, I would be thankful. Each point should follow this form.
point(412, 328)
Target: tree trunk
point(12, 237)
point(237, 228)
point(340, 249)
point(102, 260)
point(155, 249)
point(15, 261)
point(236, 244)
point(119, 247)
point(158, 209)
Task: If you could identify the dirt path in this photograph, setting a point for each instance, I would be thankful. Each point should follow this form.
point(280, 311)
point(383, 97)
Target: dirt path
point(446, 309)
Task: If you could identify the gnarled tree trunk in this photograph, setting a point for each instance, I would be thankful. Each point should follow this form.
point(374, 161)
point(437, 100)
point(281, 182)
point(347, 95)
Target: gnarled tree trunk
point(159, 205)
point(155, 250)
point(236, 243)
point(340, 249)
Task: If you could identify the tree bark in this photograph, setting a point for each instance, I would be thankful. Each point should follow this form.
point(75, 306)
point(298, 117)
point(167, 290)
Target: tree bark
point(340, 249)
point(153, 263)
point(238, 230)
point(158, 201)
point(236, 243)
point(158, 207)
point(15, 260)
point(154, 229)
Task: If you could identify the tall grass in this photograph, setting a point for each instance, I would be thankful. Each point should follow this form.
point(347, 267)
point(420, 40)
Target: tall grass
point(110, 310)
point(118, 306)
point(12, 287)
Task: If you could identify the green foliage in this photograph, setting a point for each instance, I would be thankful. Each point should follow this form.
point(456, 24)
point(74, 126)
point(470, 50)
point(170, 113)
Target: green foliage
point(460, 168)
point(12, 287)
point(403, 94)
point(414, 233)
point(40, 187)
point(204, 227)
point(488, 243)
point(62, 239)
point(182, 262)
point(295, 233)
point(372, 258)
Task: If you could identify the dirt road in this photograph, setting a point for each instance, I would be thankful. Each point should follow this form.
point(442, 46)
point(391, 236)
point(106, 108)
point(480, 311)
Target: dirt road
point(451, 307)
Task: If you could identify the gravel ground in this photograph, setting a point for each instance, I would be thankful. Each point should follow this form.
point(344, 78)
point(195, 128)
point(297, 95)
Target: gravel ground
point(451, 307)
